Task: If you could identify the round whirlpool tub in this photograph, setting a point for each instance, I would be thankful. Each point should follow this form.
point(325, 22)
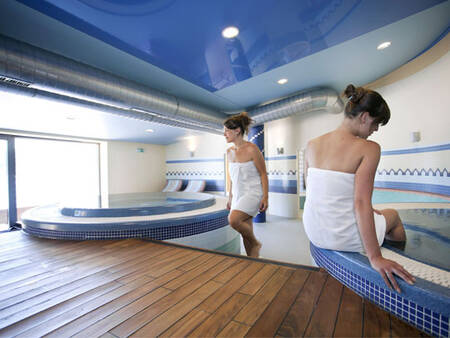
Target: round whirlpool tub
point(426, 304)
point(195, 219)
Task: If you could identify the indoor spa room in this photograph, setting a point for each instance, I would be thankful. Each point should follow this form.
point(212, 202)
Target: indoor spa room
point(225, 168)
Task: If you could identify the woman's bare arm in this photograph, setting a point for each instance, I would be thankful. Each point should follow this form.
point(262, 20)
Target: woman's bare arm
point(230, 194)
point(364, 180)
point(260, 164)
point(305, 173)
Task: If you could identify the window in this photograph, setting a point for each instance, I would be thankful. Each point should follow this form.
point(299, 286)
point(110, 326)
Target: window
point(46, 171)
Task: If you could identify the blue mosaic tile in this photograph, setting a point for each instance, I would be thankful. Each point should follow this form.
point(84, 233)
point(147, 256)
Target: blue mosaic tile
point(422, 318)
point(151, 232)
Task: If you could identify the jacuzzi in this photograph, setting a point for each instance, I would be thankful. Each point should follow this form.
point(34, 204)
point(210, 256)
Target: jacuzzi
point(195, 219)
point(426, 304)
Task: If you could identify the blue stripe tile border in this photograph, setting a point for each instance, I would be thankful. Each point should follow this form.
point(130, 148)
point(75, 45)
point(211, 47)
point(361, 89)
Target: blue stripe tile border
point(276, 158)
point(272, 158)
point(283, 186)
point(417, 150)
point(196, 160)
point(431, 188)
point(290, 186)
point(215, 185)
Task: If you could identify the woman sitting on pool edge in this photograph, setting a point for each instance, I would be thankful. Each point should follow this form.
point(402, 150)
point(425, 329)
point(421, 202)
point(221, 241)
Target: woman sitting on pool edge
point(249, 183)
point(340, 168)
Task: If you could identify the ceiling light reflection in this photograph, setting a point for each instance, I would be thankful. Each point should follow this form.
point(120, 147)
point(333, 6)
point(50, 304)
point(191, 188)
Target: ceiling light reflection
point(230, 32)
point(384, 45)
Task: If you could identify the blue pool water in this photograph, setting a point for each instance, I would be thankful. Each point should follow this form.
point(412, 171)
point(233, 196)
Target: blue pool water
point(428, 236)
point(139, 204)
point(392, 196)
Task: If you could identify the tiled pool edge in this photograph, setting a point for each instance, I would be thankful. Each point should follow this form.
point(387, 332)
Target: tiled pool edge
point(410, 307)
point(159, 230)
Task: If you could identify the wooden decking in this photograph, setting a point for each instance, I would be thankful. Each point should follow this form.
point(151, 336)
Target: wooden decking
point(145, 289)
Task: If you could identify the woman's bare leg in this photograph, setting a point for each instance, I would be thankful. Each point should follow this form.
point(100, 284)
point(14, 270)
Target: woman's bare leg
point(247, 245)
point(394, 226)
point(243, 224)
point(254, 250)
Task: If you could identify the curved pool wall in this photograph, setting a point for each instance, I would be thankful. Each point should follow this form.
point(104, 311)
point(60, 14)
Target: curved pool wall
point(206, 227)
point(426, 304)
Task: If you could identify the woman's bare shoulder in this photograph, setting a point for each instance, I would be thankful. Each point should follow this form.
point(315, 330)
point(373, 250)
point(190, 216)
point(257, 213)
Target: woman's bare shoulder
point(317, 140)
point(369, 145)
point(231, 151)
point(368, 148)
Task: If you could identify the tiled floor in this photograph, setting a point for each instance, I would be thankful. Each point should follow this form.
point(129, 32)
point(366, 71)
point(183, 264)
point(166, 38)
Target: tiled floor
point(283, 239)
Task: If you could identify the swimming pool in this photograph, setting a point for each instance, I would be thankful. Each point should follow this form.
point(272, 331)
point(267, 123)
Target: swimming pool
point(426, 304)
point(140, 204)
point(380, 196)
point(194, 219)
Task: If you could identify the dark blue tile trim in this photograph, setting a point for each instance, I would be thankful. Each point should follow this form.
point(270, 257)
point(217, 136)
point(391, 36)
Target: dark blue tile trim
point(283, 186)
point(277, 158)
point(416, 150)
point(215, 185)
point(197, 160)
point(419, 172)
point(420, 305)
point(272, 158)
point(158, 229)
point(431, 188)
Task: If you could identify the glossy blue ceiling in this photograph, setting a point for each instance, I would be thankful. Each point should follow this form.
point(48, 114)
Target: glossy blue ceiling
point(184, 37)
point(176, 46)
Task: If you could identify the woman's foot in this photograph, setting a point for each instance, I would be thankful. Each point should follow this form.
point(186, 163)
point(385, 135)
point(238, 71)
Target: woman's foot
point(255, 250)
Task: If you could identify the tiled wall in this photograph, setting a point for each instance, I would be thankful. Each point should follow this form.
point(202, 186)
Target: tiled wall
point(424, 169)
point(209, 169)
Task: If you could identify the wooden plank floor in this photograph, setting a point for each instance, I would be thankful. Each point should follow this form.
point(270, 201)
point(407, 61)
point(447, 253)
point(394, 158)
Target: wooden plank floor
point(145, 289)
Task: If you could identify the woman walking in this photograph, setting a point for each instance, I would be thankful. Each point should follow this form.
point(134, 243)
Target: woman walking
point(249, 183)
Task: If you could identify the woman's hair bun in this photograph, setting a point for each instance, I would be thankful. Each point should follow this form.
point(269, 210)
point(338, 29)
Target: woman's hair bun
point(246, 120)
point(241, 121)
point(354, 94)
point(366, 100)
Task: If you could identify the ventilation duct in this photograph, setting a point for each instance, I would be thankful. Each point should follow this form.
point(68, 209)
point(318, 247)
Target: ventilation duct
point(50, 72)
point(133, 114)
point(33, 71)
point(319, 99)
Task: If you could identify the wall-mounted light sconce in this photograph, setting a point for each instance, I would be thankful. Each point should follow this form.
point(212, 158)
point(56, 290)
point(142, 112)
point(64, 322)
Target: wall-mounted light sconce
point(192, 145)
point(280, 151)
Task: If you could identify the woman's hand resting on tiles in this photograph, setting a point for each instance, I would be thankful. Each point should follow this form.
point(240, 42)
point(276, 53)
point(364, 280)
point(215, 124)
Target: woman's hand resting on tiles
point(387, 268)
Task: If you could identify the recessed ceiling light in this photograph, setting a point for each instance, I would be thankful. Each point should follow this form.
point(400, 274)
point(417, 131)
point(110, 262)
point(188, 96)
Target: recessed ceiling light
point(149, 130)
point(230, 32)
point(384, 45)
point(282, 81)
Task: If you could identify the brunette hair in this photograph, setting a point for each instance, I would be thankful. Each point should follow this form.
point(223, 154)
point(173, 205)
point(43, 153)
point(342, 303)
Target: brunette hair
point(241, 121)
point(365, 100)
